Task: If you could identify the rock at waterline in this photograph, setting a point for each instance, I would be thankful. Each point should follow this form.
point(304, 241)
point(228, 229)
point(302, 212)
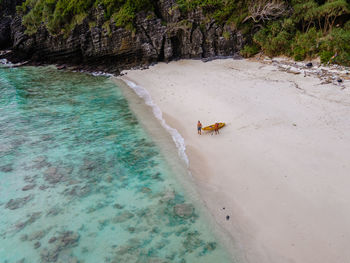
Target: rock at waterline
point(61, 67)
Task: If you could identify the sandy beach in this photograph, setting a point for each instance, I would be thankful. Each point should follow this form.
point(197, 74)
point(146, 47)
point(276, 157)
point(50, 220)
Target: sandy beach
point(279, 169)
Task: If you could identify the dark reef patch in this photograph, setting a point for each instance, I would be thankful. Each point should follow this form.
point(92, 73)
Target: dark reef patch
point(31, 219)
point(18, 202)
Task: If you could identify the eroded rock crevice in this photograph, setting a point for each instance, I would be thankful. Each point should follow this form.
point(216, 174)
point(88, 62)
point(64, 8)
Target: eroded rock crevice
point(162, 35)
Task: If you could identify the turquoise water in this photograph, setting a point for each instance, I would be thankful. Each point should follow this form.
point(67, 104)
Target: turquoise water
point(82, 181)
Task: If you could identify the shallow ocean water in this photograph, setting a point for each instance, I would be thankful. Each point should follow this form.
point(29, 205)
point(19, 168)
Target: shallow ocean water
point(82, 181)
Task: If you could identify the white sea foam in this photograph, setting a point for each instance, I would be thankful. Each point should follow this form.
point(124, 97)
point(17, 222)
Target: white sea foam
point(100, 73)
point(177, 138)
point(3, 61)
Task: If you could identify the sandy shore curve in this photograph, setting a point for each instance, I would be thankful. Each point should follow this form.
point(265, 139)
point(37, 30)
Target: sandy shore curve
point(280, 168)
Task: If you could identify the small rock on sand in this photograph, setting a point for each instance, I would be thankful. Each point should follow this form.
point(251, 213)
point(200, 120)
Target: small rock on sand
point(309, 65)
point(294, 71)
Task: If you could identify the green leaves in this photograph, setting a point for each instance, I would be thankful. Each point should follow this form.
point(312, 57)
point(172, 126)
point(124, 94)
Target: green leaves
point(337, 42)
point(223, 11)
point(274, 39)
point(314, 28)
point(331, 10)
point(310, 32)
point(307, 13)
point(306, 45)
point(61, 16)
point(250, 50)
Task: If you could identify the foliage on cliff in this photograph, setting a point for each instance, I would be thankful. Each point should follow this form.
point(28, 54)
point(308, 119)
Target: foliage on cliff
point(314, 28)
point(297, 28)
point(222, 11)
point(61, 16)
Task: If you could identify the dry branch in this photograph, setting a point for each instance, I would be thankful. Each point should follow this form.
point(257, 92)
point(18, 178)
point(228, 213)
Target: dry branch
point(264, 10)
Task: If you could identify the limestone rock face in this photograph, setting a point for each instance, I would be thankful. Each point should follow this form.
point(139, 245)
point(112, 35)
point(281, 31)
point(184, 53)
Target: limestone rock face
point(163, 35)
point(7, 10)
point(5, 32)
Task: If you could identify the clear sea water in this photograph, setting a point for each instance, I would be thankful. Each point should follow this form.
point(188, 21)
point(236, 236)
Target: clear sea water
point(81, 180)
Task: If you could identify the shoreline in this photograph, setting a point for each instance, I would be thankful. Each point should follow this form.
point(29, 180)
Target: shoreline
point(255, 160)
point(158, 128)
point(175, 135)
point(79, 165)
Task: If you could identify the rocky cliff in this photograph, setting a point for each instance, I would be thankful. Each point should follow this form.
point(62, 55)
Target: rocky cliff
point(161, 35)
point(7, 12)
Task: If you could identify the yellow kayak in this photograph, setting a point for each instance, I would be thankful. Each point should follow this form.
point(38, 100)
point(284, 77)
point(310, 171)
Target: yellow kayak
point(212, 127)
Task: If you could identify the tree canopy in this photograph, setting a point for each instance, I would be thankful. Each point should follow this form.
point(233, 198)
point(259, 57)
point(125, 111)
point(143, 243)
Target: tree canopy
point(297, 28)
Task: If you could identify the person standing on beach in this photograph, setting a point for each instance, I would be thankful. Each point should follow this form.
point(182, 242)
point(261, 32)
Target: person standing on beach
point(216, 128)
point(199, 128)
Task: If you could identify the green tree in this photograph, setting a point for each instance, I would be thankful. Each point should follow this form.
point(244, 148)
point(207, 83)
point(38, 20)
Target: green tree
point(331, 11)
point(61, 16)
point(305, 13)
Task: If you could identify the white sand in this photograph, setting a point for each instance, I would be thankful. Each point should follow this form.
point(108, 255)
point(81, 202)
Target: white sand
point(281, 167)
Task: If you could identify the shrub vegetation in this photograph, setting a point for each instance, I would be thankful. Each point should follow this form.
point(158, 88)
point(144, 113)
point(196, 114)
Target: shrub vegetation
point(314, 28)
point(61, 16)
point(303, 29)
